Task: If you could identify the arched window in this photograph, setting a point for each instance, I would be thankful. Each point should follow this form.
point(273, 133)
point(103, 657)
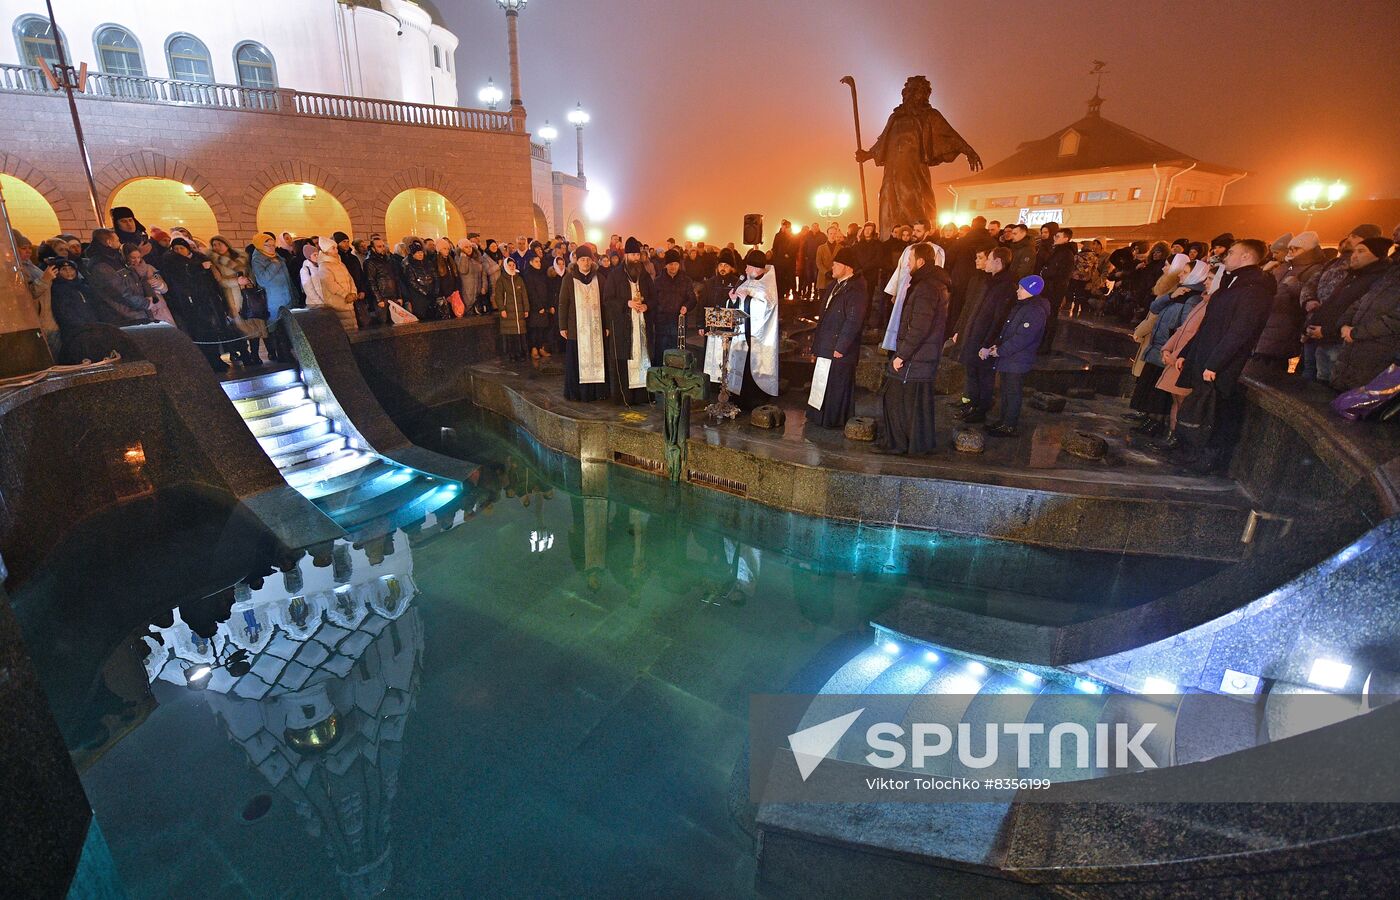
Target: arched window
point(117, 51)
point(255, 66)
point(437, 57)
point(189, 59)
point(35, 38)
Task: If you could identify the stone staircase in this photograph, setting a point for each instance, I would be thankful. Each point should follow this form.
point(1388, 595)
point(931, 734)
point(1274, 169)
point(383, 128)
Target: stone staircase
point(361, 491)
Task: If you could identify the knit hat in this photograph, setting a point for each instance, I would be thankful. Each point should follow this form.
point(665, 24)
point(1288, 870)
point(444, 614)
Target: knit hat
point(846, 256)
point(159, 234)
point(673, 256)
point(340, 236)
point(1365, 231)
point(308, 250)
point(1223, 240)
point(1306, 240)
point(1379, 246)
point(181, 242)
point(1281, 242)
point(1033, 285)
point(632, 246)
point(1181, 241)
point(584, 252)
point(756, 258)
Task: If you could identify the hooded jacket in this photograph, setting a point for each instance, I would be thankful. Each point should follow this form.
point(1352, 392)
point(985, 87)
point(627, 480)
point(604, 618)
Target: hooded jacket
point(120, 293)
point(337, 287)
point(1282, 337)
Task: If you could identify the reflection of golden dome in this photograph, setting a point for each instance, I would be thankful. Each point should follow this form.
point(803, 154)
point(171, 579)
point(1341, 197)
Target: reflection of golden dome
point(317, 738)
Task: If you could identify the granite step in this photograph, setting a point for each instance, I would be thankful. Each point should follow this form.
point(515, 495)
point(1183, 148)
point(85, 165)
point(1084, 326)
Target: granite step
point(262, 385)
point(288, 459)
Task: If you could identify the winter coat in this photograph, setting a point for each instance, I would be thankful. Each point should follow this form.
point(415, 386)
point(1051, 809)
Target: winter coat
point(826, 254)
point(1020, 336)
point(512, 298)
point(1058, 267)
point(987, 316)
point(541, 300)
point(1375, 323)
point(74, 306)
point(471, 276)
point(922, 321)
point(492, 267)
point(1230, 330)
point(121, 294)
point(311, 283)
point(382, 277)
point(1283, 333)
point(356, 269)
point(445, 267)
point(195, 301)
point(1170, 378)
point(671, 295)
point(338, 292)
point(843, 315)
point(420, 284)
point(270, 272)
point(1334, 306)
point(1022, 257)
point(1171, 312)
point(962, 261)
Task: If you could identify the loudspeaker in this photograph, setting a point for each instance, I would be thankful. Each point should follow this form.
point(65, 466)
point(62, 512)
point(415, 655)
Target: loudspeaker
point(753, 229)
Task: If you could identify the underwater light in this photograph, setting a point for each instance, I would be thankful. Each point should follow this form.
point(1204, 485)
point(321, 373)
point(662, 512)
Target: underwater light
point(1329, 673)
point(930, 657)
point(976, 668)
point(198, 676)
point(1085, 686)
point(1156, 685)
point(891, 648)
point(1027, 677)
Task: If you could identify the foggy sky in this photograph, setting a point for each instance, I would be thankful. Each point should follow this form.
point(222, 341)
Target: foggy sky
point(708, 109)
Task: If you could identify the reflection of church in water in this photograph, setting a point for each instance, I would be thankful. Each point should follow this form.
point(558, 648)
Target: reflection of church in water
point(334, 652)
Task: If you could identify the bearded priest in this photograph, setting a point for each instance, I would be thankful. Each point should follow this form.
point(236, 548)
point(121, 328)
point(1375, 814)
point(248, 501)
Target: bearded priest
point(630, 317)
point(753, 352)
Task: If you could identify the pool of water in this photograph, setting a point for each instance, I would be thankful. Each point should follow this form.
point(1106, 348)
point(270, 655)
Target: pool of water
point(540, 690)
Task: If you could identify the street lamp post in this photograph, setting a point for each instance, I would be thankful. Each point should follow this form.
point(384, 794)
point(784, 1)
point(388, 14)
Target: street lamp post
point(831, 204)
point(548, 133)
point(578, 118)
point(1313, 196)
point(513, 8)
point(490, 95)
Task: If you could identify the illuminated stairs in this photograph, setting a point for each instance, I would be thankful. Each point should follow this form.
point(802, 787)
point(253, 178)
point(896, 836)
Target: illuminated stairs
point(361, 491)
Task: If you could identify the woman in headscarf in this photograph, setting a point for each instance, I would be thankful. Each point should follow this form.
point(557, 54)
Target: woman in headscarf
point(195, 300)
point(542, 307)
point(512, 298)
point(270, 272)
point(338, 290)
point(420, 284)
point(491, 262)
point(447, 270)
point(231, 268)
point(311, 274)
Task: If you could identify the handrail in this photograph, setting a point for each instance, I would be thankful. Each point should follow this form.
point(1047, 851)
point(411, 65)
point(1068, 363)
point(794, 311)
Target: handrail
point(540, 152)
point(146, 89)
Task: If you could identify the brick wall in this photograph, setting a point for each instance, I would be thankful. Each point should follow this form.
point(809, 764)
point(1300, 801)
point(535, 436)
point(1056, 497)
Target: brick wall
point(233, 158)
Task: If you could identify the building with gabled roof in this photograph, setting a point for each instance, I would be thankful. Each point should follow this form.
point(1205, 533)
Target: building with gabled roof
point(1092, 173)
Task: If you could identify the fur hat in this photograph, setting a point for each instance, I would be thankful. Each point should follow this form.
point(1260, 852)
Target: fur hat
point(673, 256)
point(1225, 240)
point(340, 236)
point(730, 257)
point(1365, 231)
point(632, 246)
point(1281, 242)
point(846, 256)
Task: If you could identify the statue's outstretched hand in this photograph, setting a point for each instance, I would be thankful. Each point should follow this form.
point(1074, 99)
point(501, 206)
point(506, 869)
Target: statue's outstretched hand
point(862, 155)
point(974, 162)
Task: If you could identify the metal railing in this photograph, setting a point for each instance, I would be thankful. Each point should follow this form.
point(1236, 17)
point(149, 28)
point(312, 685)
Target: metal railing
point(145, 89)
point(540, 152)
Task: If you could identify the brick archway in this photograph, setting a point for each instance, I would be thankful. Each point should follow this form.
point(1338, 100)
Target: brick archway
point(150, 164)
point(417, 177)
point(68, 217)
point(297, 171)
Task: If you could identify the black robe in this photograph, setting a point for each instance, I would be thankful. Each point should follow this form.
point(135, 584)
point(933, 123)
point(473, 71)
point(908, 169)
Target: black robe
point(843, 314)
point(617, 319)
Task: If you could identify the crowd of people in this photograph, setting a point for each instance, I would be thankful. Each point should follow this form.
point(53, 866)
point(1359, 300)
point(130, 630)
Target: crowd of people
point(991, 295)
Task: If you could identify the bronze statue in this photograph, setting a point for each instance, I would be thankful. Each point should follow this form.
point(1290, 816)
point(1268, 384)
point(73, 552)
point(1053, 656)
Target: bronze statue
point(915, 138)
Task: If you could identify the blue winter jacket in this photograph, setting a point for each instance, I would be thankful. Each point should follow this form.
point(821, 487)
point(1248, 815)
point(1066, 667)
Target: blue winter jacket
point(1020, 336)
point(1171, 312)
point(271, 275)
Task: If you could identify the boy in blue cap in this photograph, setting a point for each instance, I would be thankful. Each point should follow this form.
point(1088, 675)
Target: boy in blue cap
point(1015, 349)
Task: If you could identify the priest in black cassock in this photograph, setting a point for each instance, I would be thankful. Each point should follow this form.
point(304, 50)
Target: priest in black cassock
point(581, 326)
point(629, 316)
point(908, 394)
point(837, 344)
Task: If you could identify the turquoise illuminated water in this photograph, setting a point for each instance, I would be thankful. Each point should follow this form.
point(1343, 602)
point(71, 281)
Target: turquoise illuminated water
point(543, 692)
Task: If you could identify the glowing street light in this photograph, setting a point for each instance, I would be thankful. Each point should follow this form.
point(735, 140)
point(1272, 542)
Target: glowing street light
point(695, 232)
point(1313, 196)
point(548, 133)
point(831, 203)
point(490, 95)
